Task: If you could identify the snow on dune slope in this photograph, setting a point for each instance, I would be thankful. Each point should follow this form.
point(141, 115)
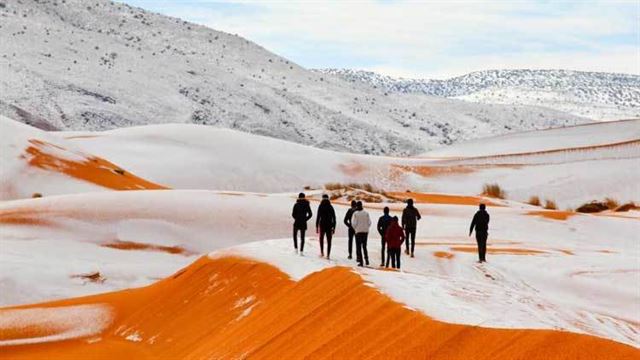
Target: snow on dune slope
point(37, 162)
point(558, 164)
point(134, 238)
point(73, 66)
point(198, 157)
point(235, 307)
point(591, 135)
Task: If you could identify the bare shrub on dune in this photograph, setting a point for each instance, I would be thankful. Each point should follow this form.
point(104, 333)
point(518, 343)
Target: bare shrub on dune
point(494, 191)
point(592, 207)
point(611, 203)
point(550, 205)
point(626, 207)
point(36, 195)
point(534, 200)
point(334, 186)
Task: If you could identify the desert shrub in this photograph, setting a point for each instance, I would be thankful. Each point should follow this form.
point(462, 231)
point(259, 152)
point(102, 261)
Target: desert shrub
point(493, 190)
point(307, 187)
point(335, 195)
point(611, 203)
point(550, 205)
point(36, 195)
point(592, 207)
point(534, 200)
point(626, 207)
point(333, 186)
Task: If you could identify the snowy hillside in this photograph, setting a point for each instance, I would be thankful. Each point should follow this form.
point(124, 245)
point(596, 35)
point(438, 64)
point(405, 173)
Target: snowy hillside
point(72, 65)
point(598, 96)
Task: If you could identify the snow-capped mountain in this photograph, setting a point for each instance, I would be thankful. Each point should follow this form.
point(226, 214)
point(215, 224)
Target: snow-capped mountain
point(596, 95)
point(74, 65)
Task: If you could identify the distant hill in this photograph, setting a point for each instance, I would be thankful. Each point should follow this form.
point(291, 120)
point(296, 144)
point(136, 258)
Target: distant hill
point(596, 95)
point(75, 65)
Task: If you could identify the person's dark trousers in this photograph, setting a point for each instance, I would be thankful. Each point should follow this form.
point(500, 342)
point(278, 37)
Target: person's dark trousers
point(410, 237)
point(383, 244)
point(329, 235)
point(295, 237)
point(393, 256)
point(361, 248)
point(481, 239)
point(352, 234)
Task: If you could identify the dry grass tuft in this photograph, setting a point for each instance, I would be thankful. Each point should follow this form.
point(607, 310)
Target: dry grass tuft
point(334, 186)
point(592, 207)
point(626, 207)
point(611, 203)
point(550, 205)
point(534, 200)
point(494, 191)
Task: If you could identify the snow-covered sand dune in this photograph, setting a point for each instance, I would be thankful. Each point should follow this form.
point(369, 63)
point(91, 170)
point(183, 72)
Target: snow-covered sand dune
point(560, 168)
point(558, 272)
point(133, 238)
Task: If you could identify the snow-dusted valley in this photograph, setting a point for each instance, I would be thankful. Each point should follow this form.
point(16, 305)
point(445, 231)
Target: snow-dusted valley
point(77, 66)
point(598, 96)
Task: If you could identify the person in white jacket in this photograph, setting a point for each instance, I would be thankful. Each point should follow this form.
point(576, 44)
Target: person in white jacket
point(361, 223)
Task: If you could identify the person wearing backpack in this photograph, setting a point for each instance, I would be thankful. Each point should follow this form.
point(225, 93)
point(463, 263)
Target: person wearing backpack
point(301, 213)
point(394, 237)
point(361, 223)
point(325, 223)
point(383, 223)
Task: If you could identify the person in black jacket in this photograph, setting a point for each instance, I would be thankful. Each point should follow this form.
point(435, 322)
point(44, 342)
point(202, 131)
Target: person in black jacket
point(410, 217)
point(481, 224)
point(301, 214)
point(325, 223)
point(347, 221)
point(383, 224)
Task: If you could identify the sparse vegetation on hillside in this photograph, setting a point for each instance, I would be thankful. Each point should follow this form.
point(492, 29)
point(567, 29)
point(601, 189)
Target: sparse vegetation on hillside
point(493, 190)
point(607, 204)
point(534, 200)
point(550, 205)
point(355, 191)
point(626, 207)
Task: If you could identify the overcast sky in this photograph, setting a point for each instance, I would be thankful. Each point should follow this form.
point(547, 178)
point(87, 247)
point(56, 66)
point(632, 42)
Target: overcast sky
point(430, 39)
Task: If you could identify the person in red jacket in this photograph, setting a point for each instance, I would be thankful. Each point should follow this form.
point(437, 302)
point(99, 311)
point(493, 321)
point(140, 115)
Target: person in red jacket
point(394, 237)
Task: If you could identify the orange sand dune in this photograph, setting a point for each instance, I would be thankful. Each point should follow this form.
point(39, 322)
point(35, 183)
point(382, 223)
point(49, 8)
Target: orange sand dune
point(237, 308)
point(552, 214)
point(93, 169)
point(492, 250)
point(443, 198)
point(432, 171)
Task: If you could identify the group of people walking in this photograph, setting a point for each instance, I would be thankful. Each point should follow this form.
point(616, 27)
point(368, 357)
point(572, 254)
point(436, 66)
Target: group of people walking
point(392, 233)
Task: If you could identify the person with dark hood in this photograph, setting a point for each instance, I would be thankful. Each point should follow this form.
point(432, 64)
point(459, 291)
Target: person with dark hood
point(301, 214)
point(347, 221)
point(361, 223)
point(394, 237)
point(410, 217)
point(481, 224)
point(383, 223)
point(325, 223)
